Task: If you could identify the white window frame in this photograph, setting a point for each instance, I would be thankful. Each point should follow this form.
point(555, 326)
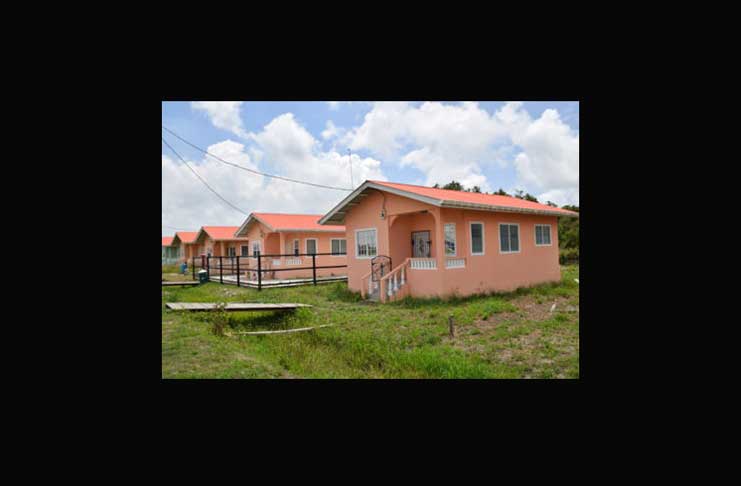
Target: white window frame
point(359, 257)
point(316, 245)
point(259, 248)
point(519, 238)
point(455, 240)
point(240, 250)
point(550, 235)
point(483, 238)
point(296, 248)
point(330, 247)
point(229, 249)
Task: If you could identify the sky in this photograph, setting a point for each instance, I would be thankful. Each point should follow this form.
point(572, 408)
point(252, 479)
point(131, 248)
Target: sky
point(532, 146)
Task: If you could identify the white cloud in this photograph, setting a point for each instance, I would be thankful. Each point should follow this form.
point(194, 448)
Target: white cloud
point(332, 131)
point(448, 142)
point(223, 114)
point(334, 105)
point(286, 148)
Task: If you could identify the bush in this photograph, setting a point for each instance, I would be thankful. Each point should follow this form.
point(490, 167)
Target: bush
point(568, 255)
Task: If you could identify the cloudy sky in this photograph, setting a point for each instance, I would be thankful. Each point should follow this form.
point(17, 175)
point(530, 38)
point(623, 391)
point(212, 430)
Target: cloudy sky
point(533, 146)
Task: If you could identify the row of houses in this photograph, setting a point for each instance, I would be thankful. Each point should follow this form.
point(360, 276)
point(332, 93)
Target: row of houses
point(402, 239)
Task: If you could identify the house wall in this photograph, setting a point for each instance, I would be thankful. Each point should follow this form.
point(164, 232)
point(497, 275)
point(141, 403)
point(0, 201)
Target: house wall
point(493, 271)
point(275, 243)
point(366, 215)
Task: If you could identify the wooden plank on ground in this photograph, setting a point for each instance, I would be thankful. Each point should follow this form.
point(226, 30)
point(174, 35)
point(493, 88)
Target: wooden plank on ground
point(179, 284)
point(257, 333)
point(232, 307)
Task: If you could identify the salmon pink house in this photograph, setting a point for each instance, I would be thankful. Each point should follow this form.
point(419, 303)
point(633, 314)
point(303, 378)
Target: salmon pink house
point(220, 241)
point(420, 241)
point(185, 244)
point(289, 240)
point(169, 253)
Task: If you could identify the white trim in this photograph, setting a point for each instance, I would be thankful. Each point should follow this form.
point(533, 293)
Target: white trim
point(306, 245)
point(519, 238)
point(358, 257)
point(550, 234)
point(455, 240)
point(470, 238)
point(338, 239)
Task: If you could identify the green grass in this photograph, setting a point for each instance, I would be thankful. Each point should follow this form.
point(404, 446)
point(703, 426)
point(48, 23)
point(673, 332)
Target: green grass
point(406, 339)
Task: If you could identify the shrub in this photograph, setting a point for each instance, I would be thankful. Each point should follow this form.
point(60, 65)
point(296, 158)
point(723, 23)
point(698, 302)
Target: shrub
point(566, 255)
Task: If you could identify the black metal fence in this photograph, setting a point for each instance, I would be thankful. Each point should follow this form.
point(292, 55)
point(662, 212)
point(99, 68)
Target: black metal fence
point(237, 265)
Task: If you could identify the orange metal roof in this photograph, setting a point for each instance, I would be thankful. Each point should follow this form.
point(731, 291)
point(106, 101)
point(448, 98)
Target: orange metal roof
point(221, 232)
point(167, 240)
point(186, 236)
point(474, 198)
point(303, 222)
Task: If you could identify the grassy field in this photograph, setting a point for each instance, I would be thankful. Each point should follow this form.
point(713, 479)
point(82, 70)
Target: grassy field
point(510, 335)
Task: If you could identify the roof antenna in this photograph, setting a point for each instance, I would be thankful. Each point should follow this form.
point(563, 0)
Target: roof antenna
point(352, 182)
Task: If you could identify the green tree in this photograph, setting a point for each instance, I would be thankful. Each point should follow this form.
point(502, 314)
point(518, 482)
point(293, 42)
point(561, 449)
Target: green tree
point(454, 186)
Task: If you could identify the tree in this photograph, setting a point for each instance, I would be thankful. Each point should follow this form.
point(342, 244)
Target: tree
point(476, 189)
point(526, 196)
point(454, 186)
point(552, 204)
point(501, 192)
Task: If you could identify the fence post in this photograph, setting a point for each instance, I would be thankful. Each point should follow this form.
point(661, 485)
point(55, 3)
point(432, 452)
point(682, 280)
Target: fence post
point(221, 269)
point(237, 271)
point(208, 267)
point(313, 266)
point(259, 272)
point(194, 268)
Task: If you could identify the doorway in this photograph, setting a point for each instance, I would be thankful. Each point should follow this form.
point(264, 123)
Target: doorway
point(421, 244)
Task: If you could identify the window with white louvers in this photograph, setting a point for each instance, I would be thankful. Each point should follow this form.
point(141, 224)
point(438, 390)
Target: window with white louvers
point(509, 238)
point(339, 247)
point(366, 243)
point(542, 235)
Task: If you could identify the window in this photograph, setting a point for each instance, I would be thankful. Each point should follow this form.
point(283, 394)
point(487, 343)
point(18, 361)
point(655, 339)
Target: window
point(542, 235)
point(339, 247)
point(477, 238)
point(231, 251)
point(366, 243)
point(295, 247)
point(255, 248)
point(450, 239)
point(245, 250)
point(509, 238)
point(310, 246)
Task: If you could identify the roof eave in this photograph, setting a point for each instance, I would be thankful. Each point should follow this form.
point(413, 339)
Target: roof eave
point(503, 209)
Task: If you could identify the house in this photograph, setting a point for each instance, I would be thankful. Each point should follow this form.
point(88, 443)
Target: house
point(297, 235)
point(169, 253)
point(185, 242)
point(220, 241)
point(404, 240)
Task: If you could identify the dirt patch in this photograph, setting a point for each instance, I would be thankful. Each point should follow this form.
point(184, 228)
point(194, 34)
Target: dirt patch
point(470, 337)
point(528, 310)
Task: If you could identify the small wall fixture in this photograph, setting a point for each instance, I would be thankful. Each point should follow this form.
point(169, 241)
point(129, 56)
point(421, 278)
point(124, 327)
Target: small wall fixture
point(383, 214)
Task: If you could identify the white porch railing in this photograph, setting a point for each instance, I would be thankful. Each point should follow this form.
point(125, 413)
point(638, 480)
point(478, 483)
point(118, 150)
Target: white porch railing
point(395, 284)
point(293, 261)
point(423, 263)
point(276, 262)
point(455, 263)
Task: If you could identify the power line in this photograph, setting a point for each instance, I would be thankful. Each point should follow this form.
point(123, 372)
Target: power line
point(201, 178)
point(252, 170)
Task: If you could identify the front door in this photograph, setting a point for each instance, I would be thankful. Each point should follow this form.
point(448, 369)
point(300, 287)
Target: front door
point(421, 244)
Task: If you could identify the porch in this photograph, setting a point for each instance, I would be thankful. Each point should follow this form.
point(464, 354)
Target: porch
point(422, 248)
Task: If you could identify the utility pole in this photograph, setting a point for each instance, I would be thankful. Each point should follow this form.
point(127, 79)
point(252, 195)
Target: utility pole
point(352, 182)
